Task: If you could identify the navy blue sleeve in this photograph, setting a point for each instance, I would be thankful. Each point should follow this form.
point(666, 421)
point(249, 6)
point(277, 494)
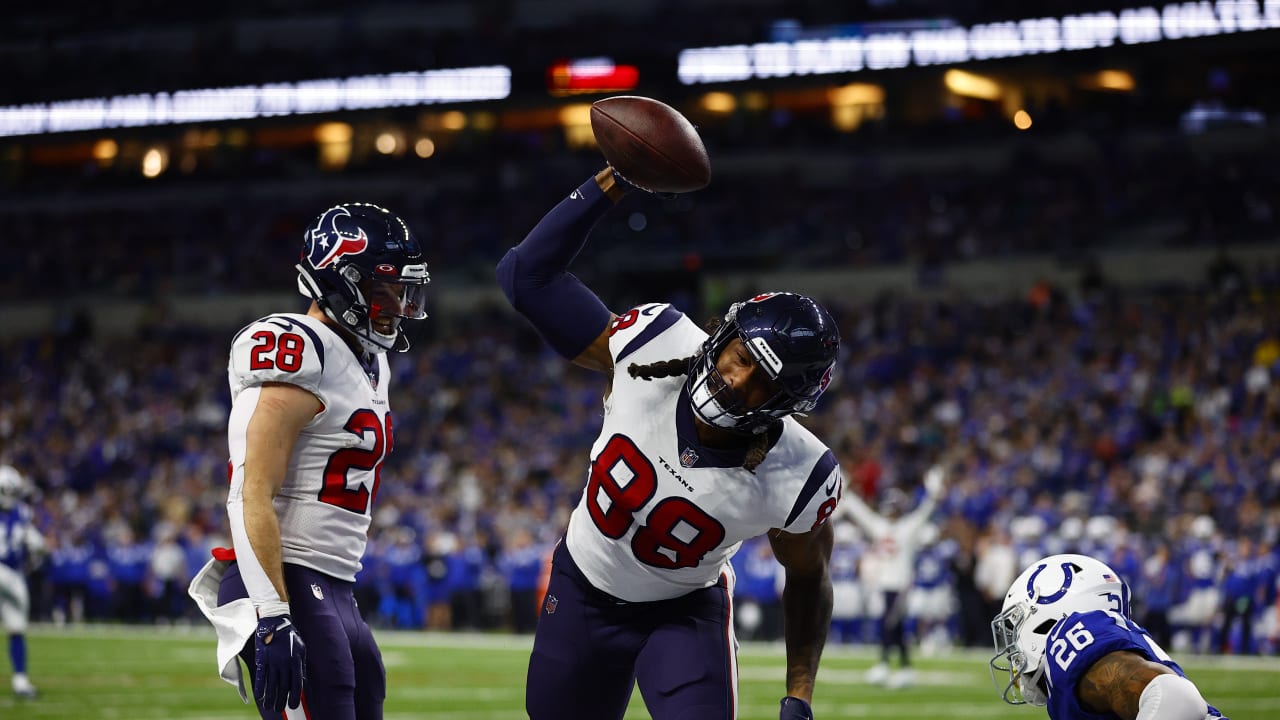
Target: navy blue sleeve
point(534, 274)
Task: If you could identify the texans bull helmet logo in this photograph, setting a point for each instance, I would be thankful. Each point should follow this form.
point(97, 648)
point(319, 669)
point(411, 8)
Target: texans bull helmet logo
point(326, 242)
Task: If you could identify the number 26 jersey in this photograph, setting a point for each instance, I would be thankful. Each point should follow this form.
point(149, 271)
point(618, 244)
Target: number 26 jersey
point(1081, 639)
point(661, 514)
point(326, 500)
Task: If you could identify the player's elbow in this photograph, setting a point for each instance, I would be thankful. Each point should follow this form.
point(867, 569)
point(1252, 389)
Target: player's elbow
point(1171, 697)
point(506, 271)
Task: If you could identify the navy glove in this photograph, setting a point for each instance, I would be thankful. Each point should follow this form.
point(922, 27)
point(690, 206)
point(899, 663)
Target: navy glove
point(793, 708)
point(281, 660)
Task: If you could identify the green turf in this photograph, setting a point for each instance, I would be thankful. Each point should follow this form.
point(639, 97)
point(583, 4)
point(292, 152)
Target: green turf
point(145, 673)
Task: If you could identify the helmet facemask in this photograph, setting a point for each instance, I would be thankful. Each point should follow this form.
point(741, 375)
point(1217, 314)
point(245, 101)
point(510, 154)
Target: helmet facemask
point(1045, 593)
point(716, 403)
point(797, 376)
point(1025, 684)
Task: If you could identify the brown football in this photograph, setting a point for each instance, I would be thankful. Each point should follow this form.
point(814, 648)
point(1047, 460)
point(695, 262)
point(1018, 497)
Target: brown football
point(651, 144)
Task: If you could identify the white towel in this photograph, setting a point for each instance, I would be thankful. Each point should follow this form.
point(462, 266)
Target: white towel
point(234, 622)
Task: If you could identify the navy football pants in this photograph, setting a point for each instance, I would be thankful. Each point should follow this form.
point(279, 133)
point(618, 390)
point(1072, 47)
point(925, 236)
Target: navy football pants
point(590, 649)
point(345, 676)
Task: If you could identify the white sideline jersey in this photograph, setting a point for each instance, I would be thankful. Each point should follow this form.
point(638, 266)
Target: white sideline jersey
point(894, 543)
point(662, 514)
point(325, 503)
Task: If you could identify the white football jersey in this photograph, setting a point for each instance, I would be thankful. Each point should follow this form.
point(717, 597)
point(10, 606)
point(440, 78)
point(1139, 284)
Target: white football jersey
point(662, 514)
point(325, 504)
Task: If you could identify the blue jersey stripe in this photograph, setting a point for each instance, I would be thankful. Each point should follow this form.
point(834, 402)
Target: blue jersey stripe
point(668, 318)
point(821, 470)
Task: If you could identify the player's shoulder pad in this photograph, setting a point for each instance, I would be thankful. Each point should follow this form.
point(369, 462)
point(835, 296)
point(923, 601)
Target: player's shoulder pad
point(651, 332)
point(279, 348)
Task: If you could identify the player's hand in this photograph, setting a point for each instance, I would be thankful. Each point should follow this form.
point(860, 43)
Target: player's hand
point(934, 480)
point(281, 660)
point(628, 186)
point(793, 708)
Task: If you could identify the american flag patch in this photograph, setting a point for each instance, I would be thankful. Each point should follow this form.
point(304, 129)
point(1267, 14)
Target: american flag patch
point(1108, 577)
point(688, 457)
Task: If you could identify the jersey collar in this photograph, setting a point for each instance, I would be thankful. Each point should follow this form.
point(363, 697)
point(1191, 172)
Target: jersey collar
point(694, 454)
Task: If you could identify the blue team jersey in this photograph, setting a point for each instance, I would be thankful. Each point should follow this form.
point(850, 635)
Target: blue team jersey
point(15, 530)
point(1080, 640)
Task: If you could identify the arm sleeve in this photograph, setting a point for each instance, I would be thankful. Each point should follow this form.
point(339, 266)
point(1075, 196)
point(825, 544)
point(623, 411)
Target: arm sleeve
point(1171, 697)
point(534, 274)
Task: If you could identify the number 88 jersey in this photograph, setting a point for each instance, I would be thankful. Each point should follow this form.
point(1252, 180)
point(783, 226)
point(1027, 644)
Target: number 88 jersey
point(661, 514)
point(326, 500)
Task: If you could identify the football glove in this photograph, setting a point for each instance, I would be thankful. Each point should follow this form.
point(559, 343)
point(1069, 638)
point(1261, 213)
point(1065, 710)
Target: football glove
point(281, 664)
point(793, 708)
point(629, 186)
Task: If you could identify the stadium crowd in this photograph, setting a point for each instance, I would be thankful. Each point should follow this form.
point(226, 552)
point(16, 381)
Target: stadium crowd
point(1139, 427)
point(1176, 193)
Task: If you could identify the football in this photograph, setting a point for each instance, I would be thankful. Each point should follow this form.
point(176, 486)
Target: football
point(651, 144)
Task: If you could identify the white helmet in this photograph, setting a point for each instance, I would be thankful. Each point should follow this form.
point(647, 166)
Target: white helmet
point(1043, 594)
point(12, 486)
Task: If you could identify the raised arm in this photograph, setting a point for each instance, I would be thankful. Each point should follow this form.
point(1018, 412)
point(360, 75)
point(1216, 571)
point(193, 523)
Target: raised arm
point(806, 609)
point(535, 276)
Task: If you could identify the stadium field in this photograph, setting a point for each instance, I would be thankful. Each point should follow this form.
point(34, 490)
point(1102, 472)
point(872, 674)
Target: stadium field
point(143, 673)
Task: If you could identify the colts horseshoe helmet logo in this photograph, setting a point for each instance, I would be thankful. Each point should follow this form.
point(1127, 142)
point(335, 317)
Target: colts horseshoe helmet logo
point(328, 243)
point(1067, 572)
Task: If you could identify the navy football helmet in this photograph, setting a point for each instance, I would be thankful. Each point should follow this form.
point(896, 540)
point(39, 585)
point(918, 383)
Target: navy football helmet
point(795, 342)
point(365, 270)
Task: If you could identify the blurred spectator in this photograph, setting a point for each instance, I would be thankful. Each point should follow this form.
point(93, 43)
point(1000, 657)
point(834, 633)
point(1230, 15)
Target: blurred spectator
point(889, 566)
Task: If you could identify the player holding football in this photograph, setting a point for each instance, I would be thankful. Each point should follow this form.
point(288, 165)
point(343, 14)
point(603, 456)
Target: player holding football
point(1065, 641)
point(698, 452)
point(21, 547)
point(310, 426)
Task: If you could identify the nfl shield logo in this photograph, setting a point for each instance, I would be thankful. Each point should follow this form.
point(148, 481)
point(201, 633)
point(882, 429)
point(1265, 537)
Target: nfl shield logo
point(315, 590)
point(552, 602)
point(688, 458)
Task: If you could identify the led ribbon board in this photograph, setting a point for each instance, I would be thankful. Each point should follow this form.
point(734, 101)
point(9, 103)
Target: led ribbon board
point(948, 45)
point(254, 101)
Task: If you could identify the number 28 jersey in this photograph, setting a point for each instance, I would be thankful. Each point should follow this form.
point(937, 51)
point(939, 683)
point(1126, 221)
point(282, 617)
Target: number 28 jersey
point(661, 514)
point(326, 500)
point(1081, 639)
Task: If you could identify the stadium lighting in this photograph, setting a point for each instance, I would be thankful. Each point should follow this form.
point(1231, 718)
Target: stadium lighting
point(385, 143)
point(1115, 80)
point(857, 94)
point(590, 75)
point(334, 132)
point(253, 101)
point(104, 151)
point(971, 85)
point(719, 102)
point(843, 51)
point(1022, 120)
point(576, 120)
point(154, 162)
point(453, 120)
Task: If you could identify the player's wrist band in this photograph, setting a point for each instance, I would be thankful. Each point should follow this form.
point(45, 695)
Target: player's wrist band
point(271, 608)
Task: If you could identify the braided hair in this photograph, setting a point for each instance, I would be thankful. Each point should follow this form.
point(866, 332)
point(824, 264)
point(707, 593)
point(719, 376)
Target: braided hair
point(760, 443)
